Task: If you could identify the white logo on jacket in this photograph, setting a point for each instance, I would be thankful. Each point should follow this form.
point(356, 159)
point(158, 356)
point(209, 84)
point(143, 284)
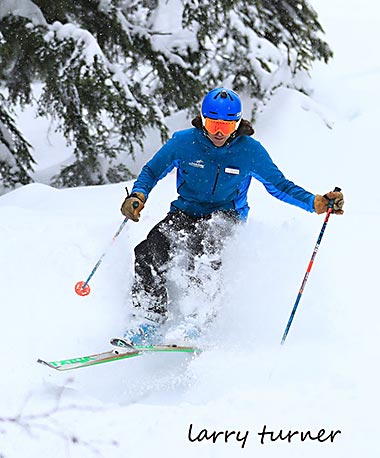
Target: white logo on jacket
point(199, 164)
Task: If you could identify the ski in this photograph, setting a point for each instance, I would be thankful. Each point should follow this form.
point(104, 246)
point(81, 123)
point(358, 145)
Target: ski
point(90, 360)
point(124, 351)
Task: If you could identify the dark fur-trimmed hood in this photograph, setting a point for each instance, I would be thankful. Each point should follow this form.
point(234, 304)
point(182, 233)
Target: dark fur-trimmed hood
point(245, 127)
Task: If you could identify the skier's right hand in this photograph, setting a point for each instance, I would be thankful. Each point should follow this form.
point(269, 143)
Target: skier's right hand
point(133, 205)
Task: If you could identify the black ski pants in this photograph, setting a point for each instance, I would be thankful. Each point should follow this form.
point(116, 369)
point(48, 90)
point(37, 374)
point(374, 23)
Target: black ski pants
point(176, 233)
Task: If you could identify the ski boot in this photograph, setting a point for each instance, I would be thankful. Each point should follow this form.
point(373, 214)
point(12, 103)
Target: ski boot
point(144, 334)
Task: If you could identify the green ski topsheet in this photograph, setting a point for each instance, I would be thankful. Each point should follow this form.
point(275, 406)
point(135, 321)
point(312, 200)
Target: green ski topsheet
point(113, 355)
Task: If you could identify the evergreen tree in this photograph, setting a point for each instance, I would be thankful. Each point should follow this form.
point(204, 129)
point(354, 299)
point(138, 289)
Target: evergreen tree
point(15, 159)
point(112, 68)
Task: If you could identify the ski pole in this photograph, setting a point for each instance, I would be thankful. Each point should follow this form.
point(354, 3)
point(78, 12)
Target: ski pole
point(82, 288)
point(329, 211)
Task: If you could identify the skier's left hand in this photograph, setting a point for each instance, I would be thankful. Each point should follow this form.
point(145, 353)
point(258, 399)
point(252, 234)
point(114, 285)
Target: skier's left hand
point(321, 203)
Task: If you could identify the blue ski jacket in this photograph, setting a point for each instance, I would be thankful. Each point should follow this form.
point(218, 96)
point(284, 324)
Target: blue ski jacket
point(211, 178)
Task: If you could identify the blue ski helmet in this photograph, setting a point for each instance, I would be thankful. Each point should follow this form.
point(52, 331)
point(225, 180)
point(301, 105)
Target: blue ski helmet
point(222, 103)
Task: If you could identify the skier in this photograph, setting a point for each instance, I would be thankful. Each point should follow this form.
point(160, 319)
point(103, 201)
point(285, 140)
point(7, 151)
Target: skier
point(215, 161)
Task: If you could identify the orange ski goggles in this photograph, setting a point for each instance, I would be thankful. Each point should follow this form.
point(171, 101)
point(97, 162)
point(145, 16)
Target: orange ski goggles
point(218, 125)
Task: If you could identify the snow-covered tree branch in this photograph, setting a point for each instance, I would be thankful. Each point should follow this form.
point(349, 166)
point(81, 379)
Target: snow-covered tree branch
point(112, 68)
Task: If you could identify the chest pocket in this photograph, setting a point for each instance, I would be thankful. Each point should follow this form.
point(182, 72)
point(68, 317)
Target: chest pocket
point(227, 183)
point(194, 180)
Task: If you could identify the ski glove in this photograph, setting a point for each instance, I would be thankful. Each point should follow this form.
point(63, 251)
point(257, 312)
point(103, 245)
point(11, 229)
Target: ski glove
point(321, 203)
point(133, 205)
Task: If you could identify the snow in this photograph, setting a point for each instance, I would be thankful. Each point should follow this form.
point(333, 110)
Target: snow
point(179, 38)
point(23, 8)
point(83, 38)
point(325, 377)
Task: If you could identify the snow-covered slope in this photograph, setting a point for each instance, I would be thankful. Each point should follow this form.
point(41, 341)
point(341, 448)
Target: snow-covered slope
point(325, 377)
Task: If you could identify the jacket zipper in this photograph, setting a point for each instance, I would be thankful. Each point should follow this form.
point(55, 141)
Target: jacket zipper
point(216, 179)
